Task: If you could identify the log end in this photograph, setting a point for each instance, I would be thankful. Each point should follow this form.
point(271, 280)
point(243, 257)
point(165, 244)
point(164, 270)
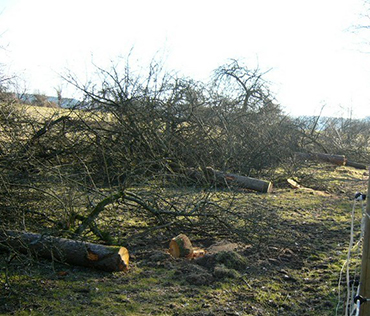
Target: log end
point(269, 187)
point(293, 184)
point(198, 253)
point(108, 259)
point(181, 247)
point(125, 258)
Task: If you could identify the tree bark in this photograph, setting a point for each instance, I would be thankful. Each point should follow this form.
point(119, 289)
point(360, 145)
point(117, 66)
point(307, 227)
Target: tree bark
point(356, 165)
point(180, 247)
point(339, 160)
point(101, 257)
point(230, 179)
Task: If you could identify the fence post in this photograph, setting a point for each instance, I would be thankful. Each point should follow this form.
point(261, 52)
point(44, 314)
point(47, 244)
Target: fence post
point(365, 263)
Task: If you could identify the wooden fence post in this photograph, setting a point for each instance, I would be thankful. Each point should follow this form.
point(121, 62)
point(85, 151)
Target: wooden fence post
point(365, 264)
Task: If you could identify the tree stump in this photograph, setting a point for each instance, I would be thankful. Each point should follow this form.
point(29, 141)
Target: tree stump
point(181, 247)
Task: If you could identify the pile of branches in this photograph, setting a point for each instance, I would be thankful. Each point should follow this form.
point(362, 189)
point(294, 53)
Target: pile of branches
point(140, 134)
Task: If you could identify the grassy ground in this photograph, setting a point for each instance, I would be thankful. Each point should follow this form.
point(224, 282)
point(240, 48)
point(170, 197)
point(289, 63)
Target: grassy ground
point(290, 266)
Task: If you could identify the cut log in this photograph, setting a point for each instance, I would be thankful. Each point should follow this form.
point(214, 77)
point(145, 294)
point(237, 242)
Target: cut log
point(106, 258)
point(339, 160)
point(295, 185)
point(181, 247)
point(356, 165)
point(231, 180)
point(198, 252)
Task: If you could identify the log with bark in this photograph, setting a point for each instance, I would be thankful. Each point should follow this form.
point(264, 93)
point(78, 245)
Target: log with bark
point(181, 247)
point(106, 258)
point(339, 160)
point(356, 165)
point(231, 180)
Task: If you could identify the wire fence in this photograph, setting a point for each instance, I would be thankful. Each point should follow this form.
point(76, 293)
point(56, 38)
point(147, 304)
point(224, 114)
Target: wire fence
point(351, 267)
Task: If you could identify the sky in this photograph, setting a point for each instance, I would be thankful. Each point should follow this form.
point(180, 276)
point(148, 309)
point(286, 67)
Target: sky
point(315, 60)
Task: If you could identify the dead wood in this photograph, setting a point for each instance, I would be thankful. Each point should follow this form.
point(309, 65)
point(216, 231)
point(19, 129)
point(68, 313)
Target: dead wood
point(295, 185)
point(339, 160)
point(356, 165)
point(101, 257)
point(181, 247)
point(88, 221)
point(97, 210)
point(231, 180)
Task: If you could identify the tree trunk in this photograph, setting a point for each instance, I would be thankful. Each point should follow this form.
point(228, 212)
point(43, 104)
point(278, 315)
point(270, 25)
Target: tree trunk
point(233, 180)
point(339, 160)
point(106, 258)
point(356, 165)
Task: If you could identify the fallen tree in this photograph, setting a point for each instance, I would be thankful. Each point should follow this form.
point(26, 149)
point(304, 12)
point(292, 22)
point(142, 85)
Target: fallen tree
point(106, 258)
point(216, 177)
point(339, 160)
point(356, 165)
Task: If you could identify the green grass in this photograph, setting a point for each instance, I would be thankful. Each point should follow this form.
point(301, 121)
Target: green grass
point(298, 244)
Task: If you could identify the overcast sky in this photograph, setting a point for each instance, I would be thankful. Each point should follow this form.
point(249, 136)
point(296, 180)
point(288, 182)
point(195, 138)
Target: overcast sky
point(313, 55)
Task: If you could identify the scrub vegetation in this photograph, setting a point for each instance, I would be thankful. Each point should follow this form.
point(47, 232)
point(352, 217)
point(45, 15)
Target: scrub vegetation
point(118, 168)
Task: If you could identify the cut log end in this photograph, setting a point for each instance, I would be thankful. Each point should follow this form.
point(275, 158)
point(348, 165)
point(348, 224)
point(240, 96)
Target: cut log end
point(269, 187)
point(198, 253)
point(181, 247)
point(294, 184)
point(125, 258)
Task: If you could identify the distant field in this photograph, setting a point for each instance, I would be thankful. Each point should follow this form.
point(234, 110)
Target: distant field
point(42, 111)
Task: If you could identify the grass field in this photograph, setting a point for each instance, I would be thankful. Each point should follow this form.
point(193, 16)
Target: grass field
point(290, 265)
